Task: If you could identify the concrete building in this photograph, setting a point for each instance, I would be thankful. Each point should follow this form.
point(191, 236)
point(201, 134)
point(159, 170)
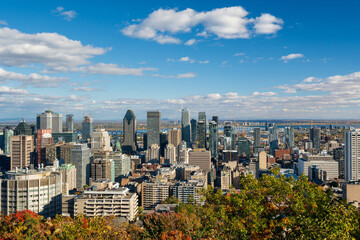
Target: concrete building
point(153, 128)
point(325, 162)
point(174, 137)
point(80, 157)
point(154, 193)
point(244, 147)
point(257, 137)
point(202, 158)
point(289, 137)
point(100, 141)
point(262, 160)
point(153, 153)
point(170, 154)
point(49, 120)
point(68, 176)
point(225, 178)
point(352, 155)
point(116, 202)
point(36, 190)
point(315, 135)
point(129, 126)
point(351, 191)
point(103, 169)
point(87, 128)
point(122, 164)
point(189, 191)
point(22, 150)
point(185, 127)
point(183, 155)
point(65, 152)
point(43, 138)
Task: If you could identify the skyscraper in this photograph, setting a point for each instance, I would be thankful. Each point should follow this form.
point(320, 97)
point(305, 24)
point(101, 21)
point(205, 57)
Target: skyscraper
point(229, 132)
point(213, 139)
point(244, 147)
point(201, 130)
point(352, 155)
point(315, 135)
point(193, 124)
point(69, 123)
point(174, 137)
point(8, 132)
point(87, 128)
point(289, 137)
point(100, 141)
point(129, 126)
point(273, 139)
point(43, 138)
point(22, 148)
point(215, 119)
point(49, 120)
point(256, 137)
point(185, 126)
point(80, 157)
point(23, 129)
point(153, 128)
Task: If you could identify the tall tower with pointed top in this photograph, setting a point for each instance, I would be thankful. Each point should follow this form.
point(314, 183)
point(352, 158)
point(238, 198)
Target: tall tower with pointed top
point(129, 126)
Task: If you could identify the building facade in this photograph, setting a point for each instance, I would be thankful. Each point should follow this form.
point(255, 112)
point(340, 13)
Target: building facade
point(129, 126)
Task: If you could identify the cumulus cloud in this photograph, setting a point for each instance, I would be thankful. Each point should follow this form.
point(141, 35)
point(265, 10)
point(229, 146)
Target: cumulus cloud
point(33, 79)
point(49, 49)
point(182, 59)
point(86, 89)
point(227, 23)
point(267, 24)
point(292, 56)
point(67, 15)
point(9, 90)
point(264, 94)
point(178, 76)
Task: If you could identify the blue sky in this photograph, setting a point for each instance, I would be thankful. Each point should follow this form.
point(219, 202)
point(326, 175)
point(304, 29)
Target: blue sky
point(252, 59)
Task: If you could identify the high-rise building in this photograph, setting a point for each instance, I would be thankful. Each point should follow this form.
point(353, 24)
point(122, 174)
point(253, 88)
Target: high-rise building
point(23, 129)
point(229, 133)
point(213, 139)
point(22, 149)
point(193, 124)
point(49, 120)
point(201, 130)
point(325, 162)
point(65, 153)
point(68, 176)
point(122, 164)
point(244, 147)
point(80, 157)
point(154, 193)
point(201, 158)
point(225, 178)
point(315, 134)
point(8, 133)
point(100, 141)
point(338, 155)
point(35, 190)
point(186, 126)
point(190, 189)
point(87, 128)
point(69, 123)
point(257, 137)
point(129, 126)
point(163, 142)
point(102, 169)
point(262, 160)
point(153, 128)
point(273, 140)
point(215, 119)
point(153, 153)
point(43, 138)
point(289, 137)
point(352, 155)
point(170, 154)
point(174, 137)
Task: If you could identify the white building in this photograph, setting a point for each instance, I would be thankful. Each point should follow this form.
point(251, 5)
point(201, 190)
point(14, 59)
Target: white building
point(325, 162)
point(100, 141)
point(170, 154)
point(352, 155)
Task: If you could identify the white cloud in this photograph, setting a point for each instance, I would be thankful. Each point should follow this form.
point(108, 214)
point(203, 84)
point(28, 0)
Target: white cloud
point(68, 15)
point(204, 62)
point(227, 23)
point(267, 24)
point(33, 79)
point(2, 22)
point(49, 49)
point(264, 94)
point(9, 90)
point(190, 42)
point(292, 56)
point(86, 89)
point(182, 59)
point(239, 54)
point(178, 76)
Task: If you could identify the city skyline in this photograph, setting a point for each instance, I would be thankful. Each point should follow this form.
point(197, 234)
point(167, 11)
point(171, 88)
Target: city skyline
point(254, 60)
